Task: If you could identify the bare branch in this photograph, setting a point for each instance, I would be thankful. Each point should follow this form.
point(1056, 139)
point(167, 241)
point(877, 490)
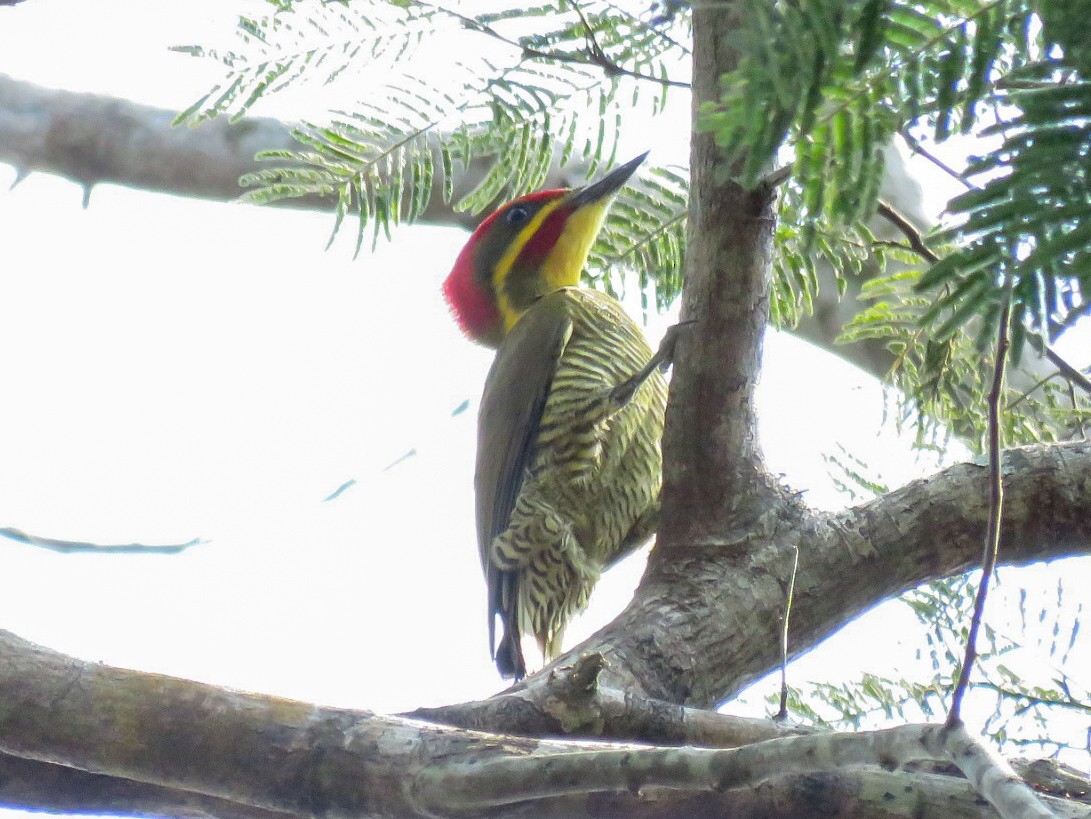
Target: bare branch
point(40, 786)
point(909, 230)
point(292, 758)
point(92, 139)
point(991, 547)
point(482, 786)
point(916, 147)
point(71, 546)
point(563, 703)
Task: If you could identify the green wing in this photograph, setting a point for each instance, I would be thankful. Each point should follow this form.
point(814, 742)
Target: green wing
point(511, 410)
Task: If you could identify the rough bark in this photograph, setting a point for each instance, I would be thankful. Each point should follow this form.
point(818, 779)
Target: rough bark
point(26, 784)
point(705, 623)
point(570, 701)
point(235, 754)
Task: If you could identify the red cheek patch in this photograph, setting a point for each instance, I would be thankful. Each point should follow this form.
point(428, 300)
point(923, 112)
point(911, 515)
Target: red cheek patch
point(544, 239)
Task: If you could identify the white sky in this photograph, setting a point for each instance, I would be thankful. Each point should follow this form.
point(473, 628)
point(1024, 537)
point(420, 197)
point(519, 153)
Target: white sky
point(178, 369)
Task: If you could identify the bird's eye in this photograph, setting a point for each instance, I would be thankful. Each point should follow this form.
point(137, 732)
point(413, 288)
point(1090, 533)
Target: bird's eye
point(517, 215)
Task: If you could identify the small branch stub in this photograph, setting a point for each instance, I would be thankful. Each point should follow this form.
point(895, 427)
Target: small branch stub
point(571, 695)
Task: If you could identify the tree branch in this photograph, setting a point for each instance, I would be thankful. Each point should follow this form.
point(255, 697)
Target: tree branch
point(73, 546)
point(292, 758)
point(555, 704)
point(705, 621)
point(711, 425)
point(26, 784)
point(91, 139)
point(908, 229)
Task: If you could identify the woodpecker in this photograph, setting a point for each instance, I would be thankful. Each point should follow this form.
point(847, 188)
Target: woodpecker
point(568, 448)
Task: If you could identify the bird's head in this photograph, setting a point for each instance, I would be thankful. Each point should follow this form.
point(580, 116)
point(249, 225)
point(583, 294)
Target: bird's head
point(531, 246)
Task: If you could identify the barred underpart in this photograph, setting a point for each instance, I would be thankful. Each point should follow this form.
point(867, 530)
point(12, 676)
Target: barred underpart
point(591, 493)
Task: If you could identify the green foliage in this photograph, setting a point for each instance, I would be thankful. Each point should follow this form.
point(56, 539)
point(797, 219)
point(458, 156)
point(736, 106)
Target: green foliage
point(849, 474)
point(1030, 223)
point(645, 232)
point(837, 82)
point(848, 249)
point(839, 79)
point(944, 380)
point(822, 87)
point(543, 85)
point(277, 51)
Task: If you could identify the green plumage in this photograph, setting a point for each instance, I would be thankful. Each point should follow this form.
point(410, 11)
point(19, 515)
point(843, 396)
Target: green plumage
point(568, 475)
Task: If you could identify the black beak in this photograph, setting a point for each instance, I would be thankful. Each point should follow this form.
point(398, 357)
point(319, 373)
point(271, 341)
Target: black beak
point(608, 185)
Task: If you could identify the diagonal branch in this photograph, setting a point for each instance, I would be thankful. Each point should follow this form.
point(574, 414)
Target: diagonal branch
point(92, 139)
point(705, 621)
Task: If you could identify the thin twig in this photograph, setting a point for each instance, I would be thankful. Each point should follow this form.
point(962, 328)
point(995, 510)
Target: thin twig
point(917, 148)
point(782, 713)
point(1073, 375)
point(917, 245)
point(1023, 396)
point(1066, 323)
point(996, 508)
point(73, 546)
point(663, 228)
point(909, 230)
point(1082, 429)
point(647, 27)
point(1031, 699)
point(593, 47)
point(609, 67)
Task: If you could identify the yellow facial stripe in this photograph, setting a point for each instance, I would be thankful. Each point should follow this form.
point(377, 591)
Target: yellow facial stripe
point(503, 267)
point(564, 264)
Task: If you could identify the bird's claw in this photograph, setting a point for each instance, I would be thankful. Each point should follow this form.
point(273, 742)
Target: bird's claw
point(662, 360)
